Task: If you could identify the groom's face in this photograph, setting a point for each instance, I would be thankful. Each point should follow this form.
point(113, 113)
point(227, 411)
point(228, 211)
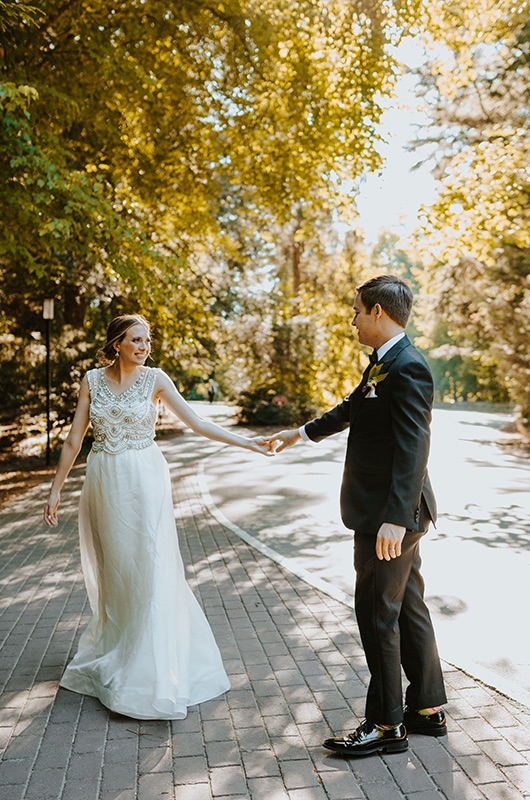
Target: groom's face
point(366, 323)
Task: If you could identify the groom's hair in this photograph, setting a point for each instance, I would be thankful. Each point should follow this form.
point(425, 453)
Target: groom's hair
point(393, 295)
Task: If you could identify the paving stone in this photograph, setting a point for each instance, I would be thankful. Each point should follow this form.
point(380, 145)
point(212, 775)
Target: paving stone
point(503, 754)
point(519, 776)
point(81, 790)
point(305, 712)
point(457, 786)
point(433, 755)
point(410, 774)
point(297, 673)
point(518, 737)
point(197, 791)
point(383, 791)
point(23, 746)
point(481, 731)
point(246, 718)
point(187, 744)
point(85, 766)
point(119, 776)
point(223, 754)
point(497, 715)
point(118, 751)
point(190, 769)
point(156, 760)
point(280, 726)
point(267, 789)
point(45, 784)
point(13, 792)
point(376, 770)
point(341, 786)
point(15, 771)
point(243, 698)
point(299, 774)
point(308, 793)
point(501, 791)
point(460, 743)
point(260, 764)
point(228, 781)
point(159, 785)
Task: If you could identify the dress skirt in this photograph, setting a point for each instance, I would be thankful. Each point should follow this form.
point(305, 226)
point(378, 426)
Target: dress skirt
point(148, 651)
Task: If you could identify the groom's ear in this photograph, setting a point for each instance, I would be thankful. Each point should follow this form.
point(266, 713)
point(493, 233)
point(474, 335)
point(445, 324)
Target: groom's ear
point(377, 311)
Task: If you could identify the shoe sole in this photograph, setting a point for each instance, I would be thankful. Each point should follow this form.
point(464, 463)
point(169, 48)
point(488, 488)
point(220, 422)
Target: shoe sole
point(391, 747)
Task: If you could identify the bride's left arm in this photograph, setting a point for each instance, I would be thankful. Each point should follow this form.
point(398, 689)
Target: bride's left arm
point(166, 392)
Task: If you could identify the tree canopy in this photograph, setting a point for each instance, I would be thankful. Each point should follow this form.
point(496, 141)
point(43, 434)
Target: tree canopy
point(149, 151)
point(476, 235)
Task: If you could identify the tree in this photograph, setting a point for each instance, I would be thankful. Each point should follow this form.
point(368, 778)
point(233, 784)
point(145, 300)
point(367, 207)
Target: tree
point(132, 133)
point(476, 236)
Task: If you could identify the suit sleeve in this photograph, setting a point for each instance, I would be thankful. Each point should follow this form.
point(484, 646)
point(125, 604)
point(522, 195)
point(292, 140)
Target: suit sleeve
point(331, 422)
point(412, 397)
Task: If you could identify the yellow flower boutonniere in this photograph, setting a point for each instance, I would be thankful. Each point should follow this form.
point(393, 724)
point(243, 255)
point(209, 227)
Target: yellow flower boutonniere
point(374, 377)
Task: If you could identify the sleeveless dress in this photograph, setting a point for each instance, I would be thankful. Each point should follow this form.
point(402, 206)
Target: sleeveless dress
point(148, 651)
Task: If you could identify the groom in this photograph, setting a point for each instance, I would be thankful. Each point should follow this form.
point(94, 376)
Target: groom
point(387, 500)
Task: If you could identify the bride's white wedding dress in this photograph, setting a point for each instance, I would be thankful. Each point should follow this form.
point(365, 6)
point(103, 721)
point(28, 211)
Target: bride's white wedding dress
point(148, 651)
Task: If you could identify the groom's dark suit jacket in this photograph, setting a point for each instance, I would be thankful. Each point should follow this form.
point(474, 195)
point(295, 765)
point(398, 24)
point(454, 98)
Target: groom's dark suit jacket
point(385, 472)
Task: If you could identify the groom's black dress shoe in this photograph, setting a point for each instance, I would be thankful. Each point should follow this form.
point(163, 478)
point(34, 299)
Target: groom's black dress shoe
point(429, 725)
point(370, 738)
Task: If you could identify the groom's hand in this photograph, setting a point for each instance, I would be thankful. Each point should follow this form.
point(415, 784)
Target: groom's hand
point(388, 542)
point(280, 441)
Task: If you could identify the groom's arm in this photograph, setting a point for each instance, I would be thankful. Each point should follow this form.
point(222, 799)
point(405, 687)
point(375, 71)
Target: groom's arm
point(333, 421)
point(411, 404)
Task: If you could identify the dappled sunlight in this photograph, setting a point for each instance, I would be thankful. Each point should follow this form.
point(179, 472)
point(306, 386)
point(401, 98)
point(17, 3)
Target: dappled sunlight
point(500, 527)
point(446, 605)
point(291, 504)
point(293, 656)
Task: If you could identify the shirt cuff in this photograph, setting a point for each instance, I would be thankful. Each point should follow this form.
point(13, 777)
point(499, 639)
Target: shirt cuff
point(303, 434)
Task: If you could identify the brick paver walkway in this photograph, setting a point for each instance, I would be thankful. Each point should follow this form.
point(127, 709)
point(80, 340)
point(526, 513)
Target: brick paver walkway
point(297, 672)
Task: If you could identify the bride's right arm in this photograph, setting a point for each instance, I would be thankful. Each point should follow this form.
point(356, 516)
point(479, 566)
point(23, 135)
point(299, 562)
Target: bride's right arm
point(166, 391)
point(69, 452)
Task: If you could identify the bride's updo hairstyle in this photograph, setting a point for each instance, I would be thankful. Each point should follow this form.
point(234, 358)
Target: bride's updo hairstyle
point(116, 332)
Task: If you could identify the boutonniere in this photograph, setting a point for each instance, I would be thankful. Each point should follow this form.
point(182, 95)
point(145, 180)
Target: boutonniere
point(374, 377)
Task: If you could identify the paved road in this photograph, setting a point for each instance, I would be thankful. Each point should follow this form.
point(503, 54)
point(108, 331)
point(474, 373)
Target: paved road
point(476, 563)
point(294, 660)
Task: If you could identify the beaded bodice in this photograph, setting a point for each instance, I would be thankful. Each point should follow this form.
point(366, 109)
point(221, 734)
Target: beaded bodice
point(124, 421)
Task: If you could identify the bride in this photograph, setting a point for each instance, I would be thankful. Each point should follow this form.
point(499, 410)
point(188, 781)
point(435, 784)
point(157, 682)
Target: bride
point(148, 651)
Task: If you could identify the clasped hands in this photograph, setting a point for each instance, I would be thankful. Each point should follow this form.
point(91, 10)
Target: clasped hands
point(270, 445)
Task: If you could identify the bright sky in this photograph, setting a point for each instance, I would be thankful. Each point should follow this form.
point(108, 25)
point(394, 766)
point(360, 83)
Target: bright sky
point(390, 199)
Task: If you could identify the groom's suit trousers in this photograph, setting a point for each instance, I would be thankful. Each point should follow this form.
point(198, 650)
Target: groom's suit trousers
point(396, 630)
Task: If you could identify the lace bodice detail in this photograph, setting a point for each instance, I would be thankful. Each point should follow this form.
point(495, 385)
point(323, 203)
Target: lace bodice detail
point(124, 421)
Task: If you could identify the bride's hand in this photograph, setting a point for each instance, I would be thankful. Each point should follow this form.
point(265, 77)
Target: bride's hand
point(50, 512)
point(260, 444)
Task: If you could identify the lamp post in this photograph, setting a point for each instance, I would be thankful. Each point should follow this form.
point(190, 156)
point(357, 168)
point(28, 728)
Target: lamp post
point(47, 313)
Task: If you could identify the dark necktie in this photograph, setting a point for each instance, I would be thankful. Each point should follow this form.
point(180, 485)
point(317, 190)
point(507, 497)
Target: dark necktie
point(373, 357)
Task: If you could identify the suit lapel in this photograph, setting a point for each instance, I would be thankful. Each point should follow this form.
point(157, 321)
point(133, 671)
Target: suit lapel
point(387, 360)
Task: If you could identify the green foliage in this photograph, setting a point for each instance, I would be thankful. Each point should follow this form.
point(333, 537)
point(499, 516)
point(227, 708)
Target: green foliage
point(462, 373)
point(476, 236)
point(264, 406)
point(147, 150)
point(15, 14)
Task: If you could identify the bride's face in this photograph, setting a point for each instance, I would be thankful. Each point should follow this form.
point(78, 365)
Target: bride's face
point(135, 346)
